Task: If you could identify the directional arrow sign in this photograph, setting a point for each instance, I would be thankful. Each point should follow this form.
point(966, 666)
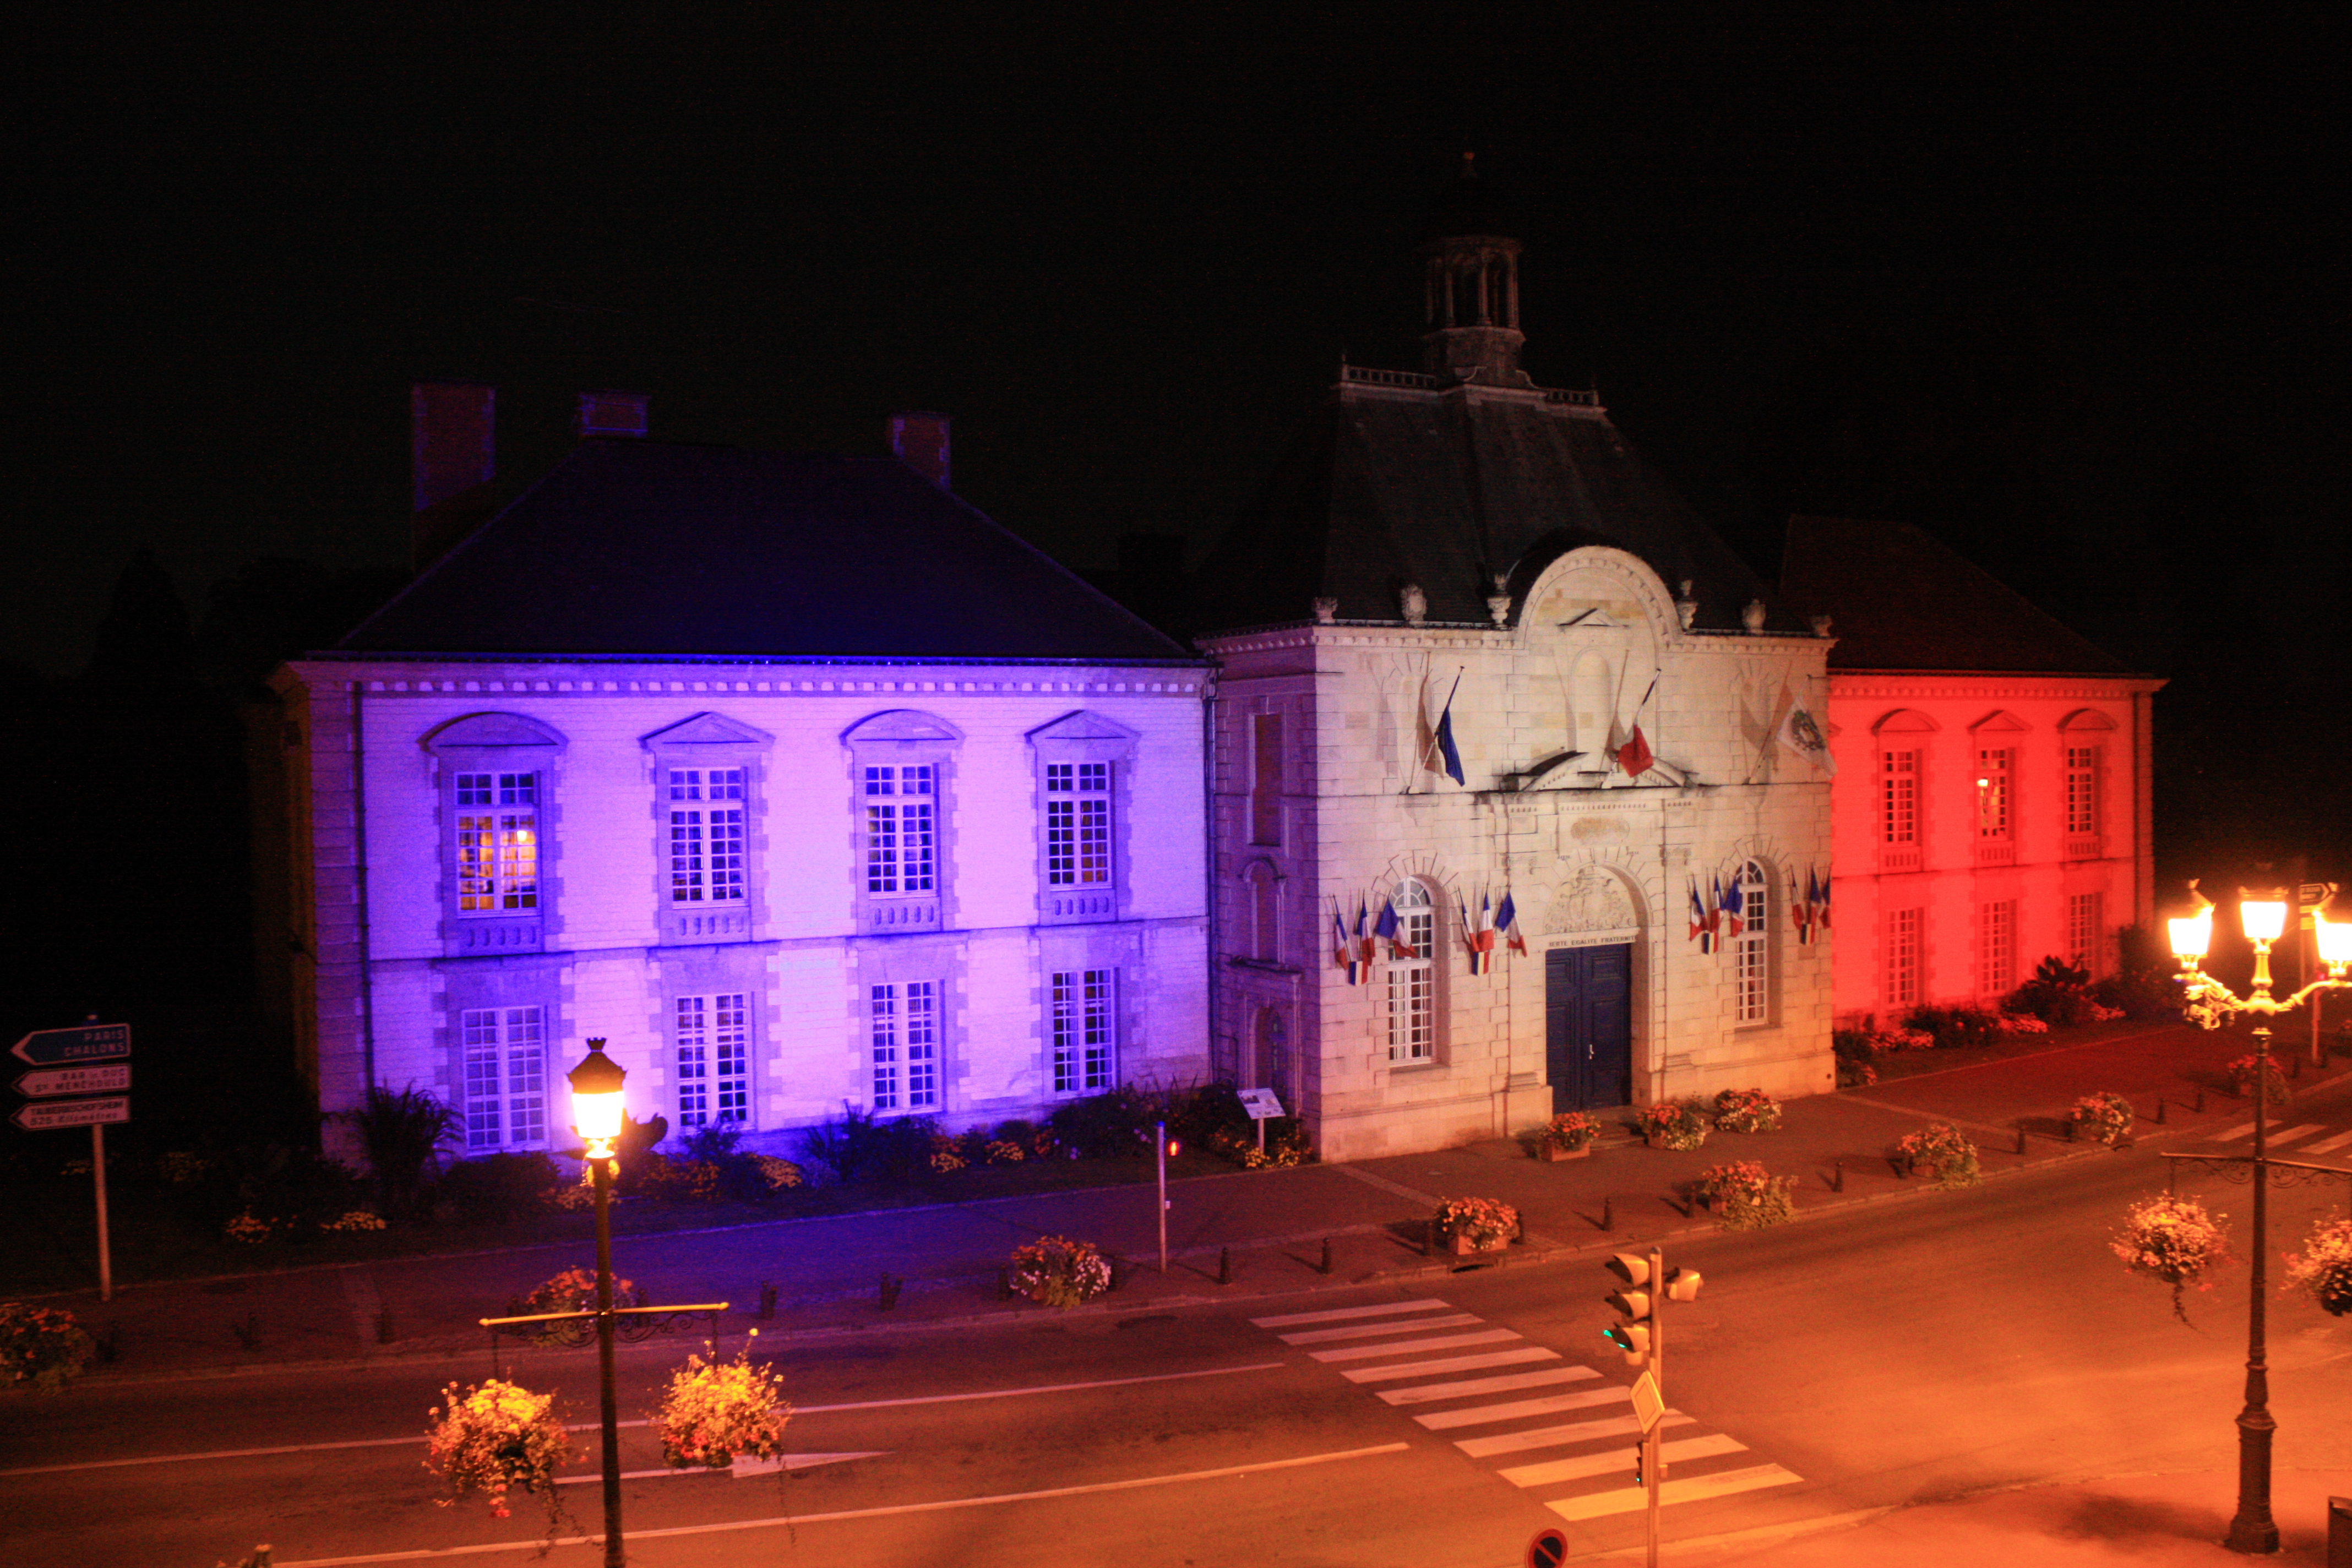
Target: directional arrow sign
point(73, 1113)
point(107, 1077)
point(89, 1043)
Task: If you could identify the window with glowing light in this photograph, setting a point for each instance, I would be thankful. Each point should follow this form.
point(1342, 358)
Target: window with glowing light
point(497, 826)
point(712, 1046)
point(505, 1066)
point(1994, 786)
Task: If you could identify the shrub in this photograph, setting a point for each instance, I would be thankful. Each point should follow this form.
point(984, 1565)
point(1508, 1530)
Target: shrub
point(42, 1346)
point(1482, 1222)
point(1955, 1026)
point(1055, 1272)
point(777, 1173)
point(491, 1189)
point(1857, 1052)
point(1746, 1196)
point(2058, 993)
point(1946, 1153)
point(859, 1146)
point(1675, 1123)
point(496, 1438)
point(716, 1410)
point(2103, 1118)
point(402, 1131)
point(1286, 1145)
point(1110, 1125)
point(1746, 1111)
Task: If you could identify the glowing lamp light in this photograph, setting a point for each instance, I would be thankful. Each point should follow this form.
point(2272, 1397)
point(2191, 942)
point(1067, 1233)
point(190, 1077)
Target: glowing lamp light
point(2191, 934)
point(596, 1099)
point(2334, 941)
point(2262, 919)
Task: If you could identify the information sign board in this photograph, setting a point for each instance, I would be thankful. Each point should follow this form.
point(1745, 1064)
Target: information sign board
point(1260, 1104)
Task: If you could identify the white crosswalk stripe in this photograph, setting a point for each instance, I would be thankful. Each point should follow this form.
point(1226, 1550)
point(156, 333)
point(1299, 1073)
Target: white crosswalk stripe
point(2329, 1145)
point(2296, 1134)
point(1390, 1343)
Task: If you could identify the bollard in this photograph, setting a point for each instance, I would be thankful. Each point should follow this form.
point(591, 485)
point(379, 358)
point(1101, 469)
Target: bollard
point(2021, 1135)
point(2201, 1102)
point(1608, 1214)
point(767, 1301)
point(247, 1330)
point(2339, 1532)
point(1429, 1239)
point(1326, 1267)
point(2294, 1064)
point(383, 1334)
point(2159, 1110)
point(1224, 1265)
point(1837, 1176)
point(1004, 1284)
point(889, 1293)
point(109, 1343)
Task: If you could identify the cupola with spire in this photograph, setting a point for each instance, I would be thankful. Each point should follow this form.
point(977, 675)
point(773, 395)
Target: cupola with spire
point(1471, 272)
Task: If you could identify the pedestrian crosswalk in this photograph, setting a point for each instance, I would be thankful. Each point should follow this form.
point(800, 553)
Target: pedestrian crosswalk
point(2281, 1138)
point(1552, 1426)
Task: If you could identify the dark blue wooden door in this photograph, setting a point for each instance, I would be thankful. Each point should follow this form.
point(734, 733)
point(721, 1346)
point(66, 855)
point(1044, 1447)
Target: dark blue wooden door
point(1588, 1026)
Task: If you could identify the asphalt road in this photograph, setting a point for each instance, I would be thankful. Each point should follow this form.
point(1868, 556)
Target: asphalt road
point(1910, 1350)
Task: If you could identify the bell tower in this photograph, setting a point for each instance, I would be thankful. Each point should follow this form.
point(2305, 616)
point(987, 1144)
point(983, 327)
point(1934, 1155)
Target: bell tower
point(1471, 276)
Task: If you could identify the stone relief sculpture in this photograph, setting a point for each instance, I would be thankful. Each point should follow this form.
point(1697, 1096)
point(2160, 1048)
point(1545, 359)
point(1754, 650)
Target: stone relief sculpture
point(1592, 899)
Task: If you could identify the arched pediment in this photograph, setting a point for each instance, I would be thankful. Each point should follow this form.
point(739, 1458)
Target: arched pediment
point(1083, 726)
point(706, 730)
point(2086, 720)
point(1904, 721)
point(502, 730)
point(2000, 721)
point(902, 724)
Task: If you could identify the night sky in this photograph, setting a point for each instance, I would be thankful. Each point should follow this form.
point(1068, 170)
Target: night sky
point(2052, 281)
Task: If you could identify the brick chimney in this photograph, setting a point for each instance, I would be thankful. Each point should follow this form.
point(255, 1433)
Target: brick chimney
point(452, 431)
point(920, 441)
point(612, 413)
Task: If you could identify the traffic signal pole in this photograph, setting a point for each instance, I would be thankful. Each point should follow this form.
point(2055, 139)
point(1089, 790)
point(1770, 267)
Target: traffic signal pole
point(1654, 1465)
point(1642, 1336)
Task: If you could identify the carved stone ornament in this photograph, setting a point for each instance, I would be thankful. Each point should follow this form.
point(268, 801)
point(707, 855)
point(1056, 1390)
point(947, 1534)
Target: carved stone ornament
point(1499, 607)
point(1752, 617)
point(1685, 607)
point(1820, 626)
point(1326, 610)
point(1593, 900)
point(1414, 602)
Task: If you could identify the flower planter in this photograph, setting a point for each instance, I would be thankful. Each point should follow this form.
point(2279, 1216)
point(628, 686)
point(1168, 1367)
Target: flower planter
point(1554, 1152)
point(1463, 1247)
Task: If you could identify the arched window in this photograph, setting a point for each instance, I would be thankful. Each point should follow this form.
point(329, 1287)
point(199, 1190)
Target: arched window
point(1751, 950)
point(1413, 975)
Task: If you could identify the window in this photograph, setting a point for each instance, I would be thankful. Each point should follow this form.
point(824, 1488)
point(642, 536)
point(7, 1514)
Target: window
point(906, 1034)
point(2086, 930)
point(1412, 980)
point(1751, 950)
point(714, 1061)
point(1993, 770)
point(1902, 959)
point(901, 830)
point(1898, 796)
point(706, 834)
point(1078, 824)
point(506, 1078)
point(1084, 1037)
point(1266, 778)
point(2082, 792)
point(497, 842)
point(1265, 912)
point(1997, 947)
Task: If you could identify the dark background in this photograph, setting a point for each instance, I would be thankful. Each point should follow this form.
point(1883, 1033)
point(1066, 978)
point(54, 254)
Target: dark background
point(2053, 281)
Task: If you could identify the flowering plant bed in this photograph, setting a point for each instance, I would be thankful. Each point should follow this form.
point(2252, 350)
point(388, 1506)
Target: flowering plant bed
point(2172, 1239)
point(1945, 1152)
point(2103, 1118)
point(716, 1411)
point(1674, 1124)
point(42, 1346)
point(1746, 1111)
point(2324, 1267)
point(1059, 1272)
point(1482, 1223)
point(1570, 1133)
point(1746, 1196)
point(2247, 1068)
point(494, 1439)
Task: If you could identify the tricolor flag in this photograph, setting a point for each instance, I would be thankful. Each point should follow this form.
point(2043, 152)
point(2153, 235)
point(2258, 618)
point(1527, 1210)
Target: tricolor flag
point(1819, 888)
point(1389, 926)
point(1481, 937)
point(1448, 754)
point(1702, 927)
point(1343, 952)
point(1801, 911)
point(1364, 943)
point(1635, 756)
point(1732, 904)
point(1506, 920)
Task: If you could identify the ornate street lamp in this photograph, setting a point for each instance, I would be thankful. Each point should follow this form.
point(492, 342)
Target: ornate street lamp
point(596, 1116)
point(2263, 917)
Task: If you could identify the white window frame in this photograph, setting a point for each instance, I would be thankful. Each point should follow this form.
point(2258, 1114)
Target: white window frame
point(884, 749)
point(1997, 947)
point(1752, 950)
point(1996, 793)
point(709, 831)
point(1085, 780)
point(2084, 769)
point(711, 1052)
point(709, 773)
point(2086, 930)
point(1899, 772)
point(1412, 983)
point(903, 1036)
point(503, 1066)
point(1905, 958)
point(497, 778)
point(1082, 1029)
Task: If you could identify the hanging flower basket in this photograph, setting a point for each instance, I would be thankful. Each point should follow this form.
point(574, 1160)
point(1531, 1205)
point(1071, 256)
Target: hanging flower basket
point(42, 1346)
point(1472, 1226)
point(1055, 1272)
point(494, 1439)
point(1746, 1111)
point(1567, 1136)
point(2324, 1267)
point(1674, 1124)
point(2173, 1239)
point(716, 1412)
point(1944, 1152)
point(2102, 1117)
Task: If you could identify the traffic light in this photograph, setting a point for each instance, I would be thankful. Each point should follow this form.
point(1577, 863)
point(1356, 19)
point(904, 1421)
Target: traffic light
point(1633, 1304)
point(1683, 1284)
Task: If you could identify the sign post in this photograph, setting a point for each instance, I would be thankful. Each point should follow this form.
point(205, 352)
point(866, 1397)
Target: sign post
point(89, 1058)
point(1263, 1107)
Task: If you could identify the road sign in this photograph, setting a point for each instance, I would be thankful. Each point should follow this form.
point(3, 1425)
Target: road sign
point(74, 1113)
point(1547, 1550)
point(88, 1042)
point(1647, 1403)
point(106, 1078)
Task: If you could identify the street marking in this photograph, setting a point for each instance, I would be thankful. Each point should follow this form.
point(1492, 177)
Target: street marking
point(1342, 1314)
point(741, 1468)
point(1431, 1392)
point(789, 1520)
point(591, 1425)
point(1399, 1347)
point(1585, 1466)
point(1557, 1436)
point(2231, 1134)
point(1626, 1500)
point(1374, 1331)
point(2329, 1145)
point(1450, 1364)
point(1518, 1409)
point(2289, 1134)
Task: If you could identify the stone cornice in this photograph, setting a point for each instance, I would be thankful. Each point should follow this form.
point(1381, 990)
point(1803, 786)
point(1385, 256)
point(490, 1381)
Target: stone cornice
point(1933, 683)
point(396, 678)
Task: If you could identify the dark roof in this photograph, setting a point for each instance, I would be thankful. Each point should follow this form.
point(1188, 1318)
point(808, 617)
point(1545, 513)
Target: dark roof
point(650, 548)
point(1448, 488)
point(1898, 599)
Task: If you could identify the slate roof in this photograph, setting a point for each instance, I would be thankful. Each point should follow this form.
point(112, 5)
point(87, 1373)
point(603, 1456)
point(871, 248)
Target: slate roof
point(647, 548)
point(1898, 599)
point(1446, 489)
